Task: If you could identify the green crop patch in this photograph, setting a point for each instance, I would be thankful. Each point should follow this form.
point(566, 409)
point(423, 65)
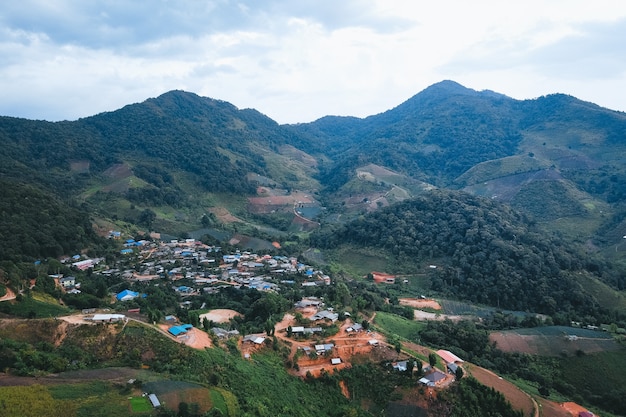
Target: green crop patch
point(140, 404)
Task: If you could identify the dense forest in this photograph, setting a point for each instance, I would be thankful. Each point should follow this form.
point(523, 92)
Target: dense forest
point(37, 224)
point(490, 253)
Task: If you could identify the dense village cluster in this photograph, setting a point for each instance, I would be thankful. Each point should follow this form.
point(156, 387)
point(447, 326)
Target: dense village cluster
point(206, 266)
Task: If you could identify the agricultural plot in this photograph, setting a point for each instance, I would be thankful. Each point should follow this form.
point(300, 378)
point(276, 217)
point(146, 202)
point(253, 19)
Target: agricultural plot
point(554, 341)
point(140, 405)
point(465, 309)
point(172, 393)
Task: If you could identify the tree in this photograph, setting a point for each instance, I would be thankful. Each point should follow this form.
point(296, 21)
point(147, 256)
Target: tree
point(419, 371)
point(459, 373)
point(398, 347)
point(147, 217)
point(432, 359)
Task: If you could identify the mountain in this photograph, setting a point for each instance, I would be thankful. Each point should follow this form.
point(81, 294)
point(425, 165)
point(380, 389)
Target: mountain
point(174, 160)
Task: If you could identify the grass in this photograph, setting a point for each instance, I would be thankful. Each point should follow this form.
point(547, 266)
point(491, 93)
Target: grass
point(83, 390)
point(140, 404)
point(606, 296)
point(91, 399)
point(598, 373)
point(218, 401)
point(391, 323)
point(31, 307)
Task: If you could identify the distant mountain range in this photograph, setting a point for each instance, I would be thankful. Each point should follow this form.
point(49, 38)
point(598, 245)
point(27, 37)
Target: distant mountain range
point(182, 156)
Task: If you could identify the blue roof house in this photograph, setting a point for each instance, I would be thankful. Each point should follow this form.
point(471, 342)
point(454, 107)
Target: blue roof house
point(127, 295)
point(178, 330)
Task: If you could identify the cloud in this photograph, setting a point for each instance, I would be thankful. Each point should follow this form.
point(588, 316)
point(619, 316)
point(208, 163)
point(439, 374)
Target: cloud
point(300, 60)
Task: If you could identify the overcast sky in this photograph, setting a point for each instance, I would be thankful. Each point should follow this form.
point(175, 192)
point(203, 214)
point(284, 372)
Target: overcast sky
point(298, 60)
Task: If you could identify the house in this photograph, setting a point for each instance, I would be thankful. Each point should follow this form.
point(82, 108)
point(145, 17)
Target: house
point(108, 318)
point(401, 366)
point(426, 382)
point(452, 368)
point(449, 357)
point(308, 302)
point(302, 329)
point(335, 361)
point(434, 378)
point(356, 327)
point(254, 338)
point(380, 277)
point(127, 295)
point(224, 334)
point(179, 330)
point(154, 400)
point(67, 282)
point(322, 349)
point(325, 315)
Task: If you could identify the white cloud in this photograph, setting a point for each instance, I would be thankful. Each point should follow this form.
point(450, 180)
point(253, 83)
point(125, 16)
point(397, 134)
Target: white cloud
point(297, 61)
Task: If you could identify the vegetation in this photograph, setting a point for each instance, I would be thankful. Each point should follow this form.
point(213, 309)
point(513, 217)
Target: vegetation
point(174, 162)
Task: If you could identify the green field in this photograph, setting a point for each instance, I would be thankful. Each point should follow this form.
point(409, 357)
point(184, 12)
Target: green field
point(31, 307)
point(394, 324)
point(140, 404)
point(601, 375)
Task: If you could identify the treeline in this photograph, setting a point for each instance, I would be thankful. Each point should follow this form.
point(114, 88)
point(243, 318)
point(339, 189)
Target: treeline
point(490, 253)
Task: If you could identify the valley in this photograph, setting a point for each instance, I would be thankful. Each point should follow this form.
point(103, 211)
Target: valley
point(459, 220)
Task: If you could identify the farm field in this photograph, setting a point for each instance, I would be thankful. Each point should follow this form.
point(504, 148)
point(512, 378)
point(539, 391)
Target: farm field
point(172, 393)
point(518, 398)
point(394, 324)
point(554, 341)
point(94, 393)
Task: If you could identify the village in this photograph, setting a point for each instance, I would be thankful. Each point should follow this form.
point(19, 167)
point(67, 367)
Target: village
point(320, 338)
point(193, 268)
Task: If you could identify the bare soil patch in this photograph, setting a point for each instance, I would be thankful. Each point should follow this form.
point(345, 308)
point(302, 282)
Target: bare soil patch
point(198, 339)
point(573, 408)
point(10, 295)
point(220, 315)
point(553, 409)
point(518, 398)
point(119, 171)
point(348, 345)
point(224, 216)
point(420, 303)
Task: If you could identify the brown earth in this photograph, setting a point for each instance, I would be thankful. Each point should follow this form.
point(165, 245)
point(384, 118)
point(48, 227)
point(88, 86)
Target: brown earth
point(573, 408)
point(220, 315)
point(194, 338)
point(224, 216)
point(200, 396)
point(420, 303)
point(10, 295)
point(553, 409)
point(518, 398)
point(119, 171)
point(347, 346)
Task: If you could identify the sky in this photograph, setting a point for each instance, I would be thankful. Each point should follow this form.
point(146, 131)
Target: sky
point(298, 60)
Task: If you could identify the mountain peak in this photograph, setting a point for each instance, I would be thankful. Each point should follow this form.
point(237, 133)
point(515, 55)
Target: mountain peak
point(447, 86)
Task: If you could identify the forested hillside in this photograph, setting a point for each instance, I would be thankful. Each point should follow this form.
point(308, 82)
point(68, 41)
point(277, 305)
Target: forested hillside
point(490, 254)
point(37, 224)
